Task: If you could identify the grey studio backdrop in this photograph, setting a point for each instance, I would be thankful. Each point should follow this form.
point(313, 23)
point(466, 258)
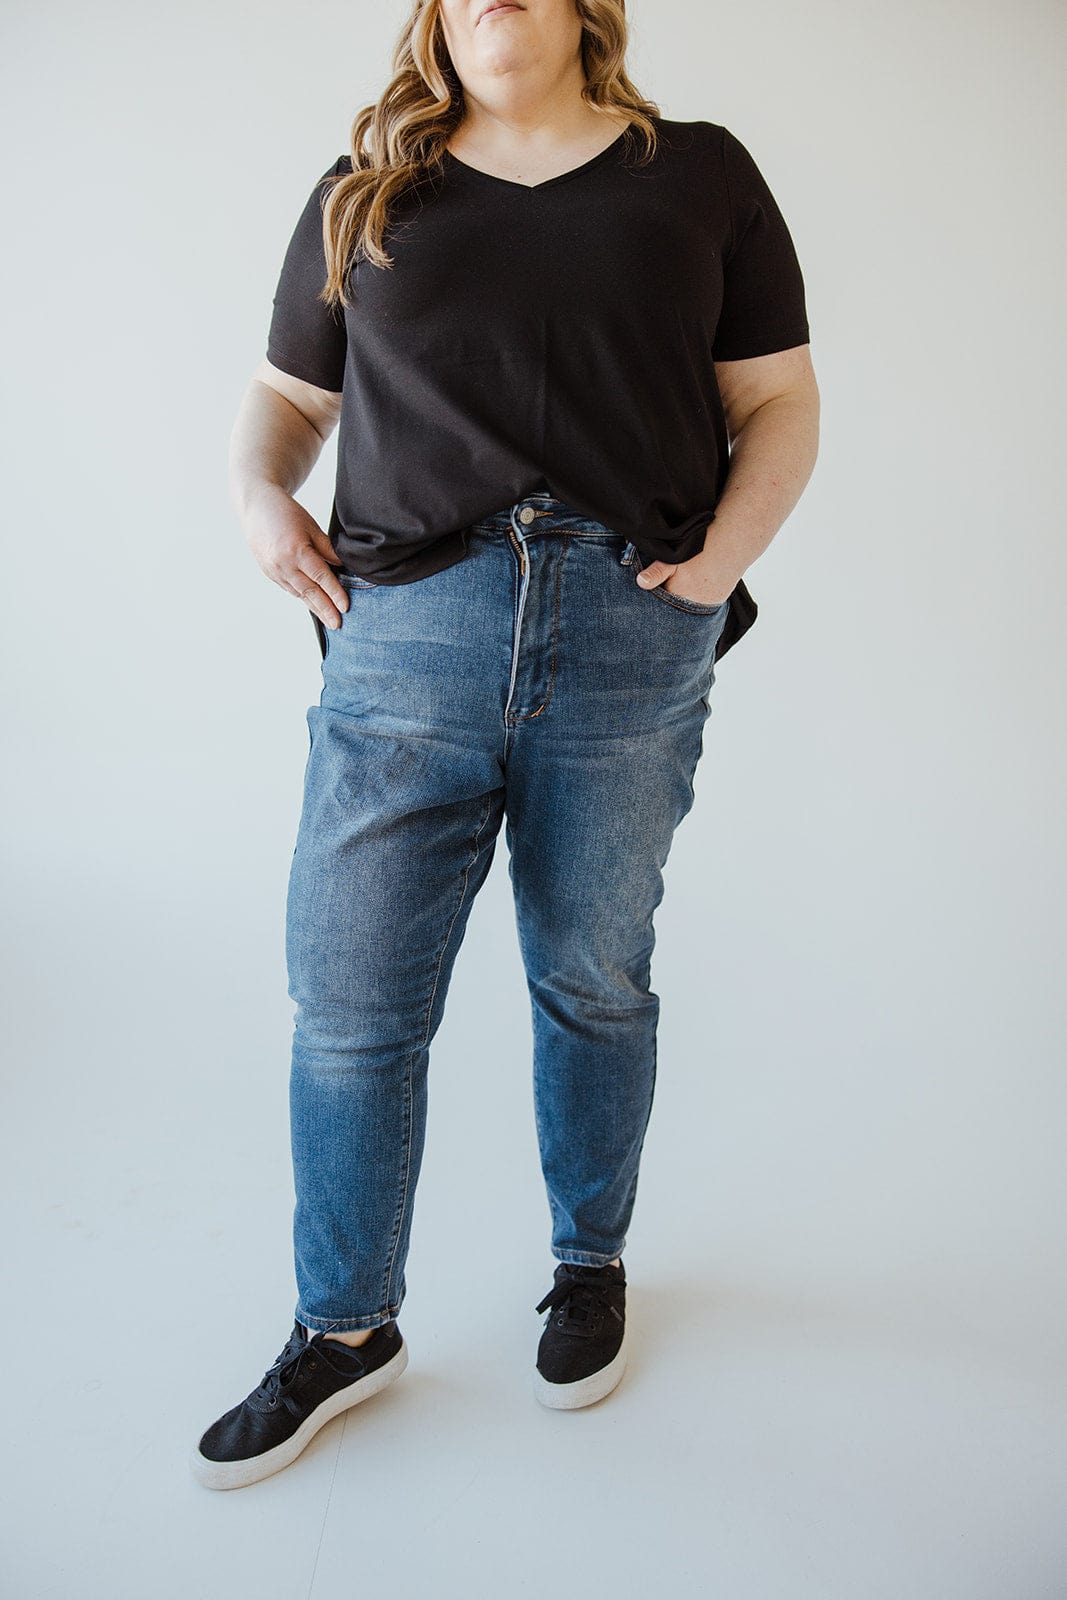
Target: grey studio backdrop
point(846, 1258)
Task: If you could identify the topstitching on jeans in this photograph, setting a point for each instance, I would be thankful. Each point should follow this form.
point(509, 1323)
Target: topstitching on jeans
point(515, 717)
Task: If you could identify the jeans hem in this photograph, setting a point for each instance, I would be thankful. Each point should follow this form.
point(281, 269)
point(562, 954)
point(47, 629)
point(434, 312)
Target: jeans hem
point(588, 1258)
point(376, 1319)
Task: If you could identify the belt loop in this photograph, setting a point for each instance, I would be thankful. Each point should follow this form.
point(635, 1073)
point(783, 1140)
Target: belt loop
point(628, 554)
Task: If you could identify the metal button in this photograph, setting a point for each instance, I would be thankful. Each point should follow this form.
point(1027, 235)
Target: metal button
point(527, 514)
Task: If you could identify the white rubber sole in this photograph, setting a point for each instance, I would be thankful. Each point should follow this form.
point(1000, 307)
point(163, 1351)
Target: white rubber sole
point(239, 1474)
point(584, 1391)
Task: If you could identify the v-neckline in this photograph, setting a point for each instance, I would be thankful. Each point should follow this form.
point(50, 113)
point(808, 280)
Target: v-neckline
point(546, 183)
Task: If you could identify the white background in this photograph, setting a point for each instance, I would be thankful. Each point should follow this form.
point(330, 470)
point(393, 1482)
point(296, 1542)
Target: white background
point(846, 1289)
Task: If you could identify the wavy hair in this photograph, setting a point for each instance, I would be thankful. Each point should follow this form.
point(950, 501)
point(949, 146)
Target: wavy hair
point(420, 109)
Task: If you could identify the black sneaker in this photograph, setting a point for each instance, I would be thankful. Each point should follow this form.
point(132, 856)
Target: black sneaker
point(311, 1381)
point(582, 1355)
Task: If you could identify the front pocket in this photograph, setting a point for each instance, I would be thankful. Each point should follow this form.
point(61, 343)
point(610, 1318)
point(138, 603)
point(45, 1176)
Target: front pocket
point(696, 607)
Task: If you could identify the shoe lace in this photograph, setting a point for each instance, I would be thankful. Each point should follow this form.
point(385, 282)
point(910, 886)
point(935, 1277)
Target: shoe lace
point(580, 1299)
point(299, 1355)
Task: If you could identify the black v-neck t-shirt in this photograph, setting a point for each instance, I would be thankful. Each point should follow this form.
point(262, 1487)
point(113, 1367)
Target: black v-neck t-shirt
point(558, 337)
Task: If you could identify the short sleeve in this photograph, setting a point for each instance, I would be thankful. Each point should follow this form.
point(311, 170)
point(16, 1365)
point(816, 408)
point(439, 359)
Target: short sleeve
point(763, 305)
point(307, 338)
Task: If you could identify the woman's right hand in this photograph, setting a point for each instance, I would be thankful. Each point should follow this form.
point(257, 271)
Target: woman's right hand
point(294, 552)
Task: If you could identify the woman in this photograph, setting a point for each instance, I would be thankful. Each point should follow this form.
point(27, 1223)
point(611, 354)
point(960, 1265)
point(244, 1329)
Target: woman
point(566, 343)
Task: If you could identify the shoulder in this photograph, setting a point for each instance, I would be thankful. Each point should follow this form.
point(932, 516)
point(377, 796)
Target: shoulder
point(693, 153)
point(711, 138)
point(696, 147)
point(697, 135)
point(339, 168)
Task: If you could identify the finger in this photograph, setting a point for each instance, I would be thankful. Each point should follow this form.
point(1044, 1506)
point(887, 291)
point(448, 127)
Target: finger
point(295, 581)
point(655, 573)
point(320, 591)
point(320, 554)
point(315, 570)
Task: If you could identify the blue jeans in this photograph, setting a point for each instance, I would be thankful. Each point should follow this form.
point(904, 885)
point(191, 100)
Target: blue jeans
point(536, 683)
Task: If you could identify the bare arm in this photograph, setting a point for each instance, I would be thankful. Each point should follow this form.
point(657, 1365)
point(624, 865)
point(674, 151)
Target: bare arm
point(772, 416)
point(278, 435)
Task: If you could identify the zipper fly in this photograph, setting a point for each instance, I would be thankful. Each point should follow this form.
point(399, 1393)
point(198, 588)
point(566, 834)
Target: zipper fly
point(520, 546)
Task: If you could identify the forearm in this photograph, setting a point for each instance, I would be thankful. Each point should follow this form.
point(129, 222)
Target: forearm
point(771, 460)
point(272, 446)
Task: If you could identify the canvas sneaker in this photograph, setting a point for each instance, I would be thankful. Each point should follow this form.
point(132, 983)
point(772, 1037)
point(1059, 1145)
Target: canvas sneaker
point(582, 1353)
point(311, 1381)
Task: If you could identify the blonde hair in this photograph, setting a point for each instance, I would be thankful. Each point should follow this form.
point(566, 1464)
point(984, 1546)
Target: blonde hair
point(420, 109)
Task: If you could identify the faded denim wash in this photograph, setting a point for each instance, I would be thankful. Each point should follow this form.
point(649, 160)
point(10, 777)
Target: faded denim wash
point(533, 683)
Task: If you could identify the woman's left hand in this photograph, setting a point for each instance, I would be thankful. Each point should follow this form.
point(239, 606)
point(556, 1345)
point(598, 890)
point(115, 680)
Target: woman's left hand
point(697, 583)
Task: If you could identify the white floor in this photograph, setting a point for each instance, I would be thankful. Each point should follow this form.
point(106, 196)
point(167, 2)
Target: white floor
point(846, 1376)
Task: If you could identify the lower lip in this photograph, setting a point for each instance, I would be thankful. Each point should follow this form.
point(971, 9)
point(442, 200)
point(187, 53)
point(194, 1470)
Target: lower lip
point(500, 11)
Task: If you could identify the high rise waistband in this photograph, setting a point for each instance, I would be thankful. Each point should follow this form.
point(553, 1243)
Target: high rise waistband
point(541, 513)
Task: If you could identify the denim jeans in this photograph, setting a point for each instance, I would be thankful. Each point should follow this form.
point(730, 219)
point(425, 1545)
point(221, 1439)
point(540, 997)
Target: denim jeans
point(533, 683)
